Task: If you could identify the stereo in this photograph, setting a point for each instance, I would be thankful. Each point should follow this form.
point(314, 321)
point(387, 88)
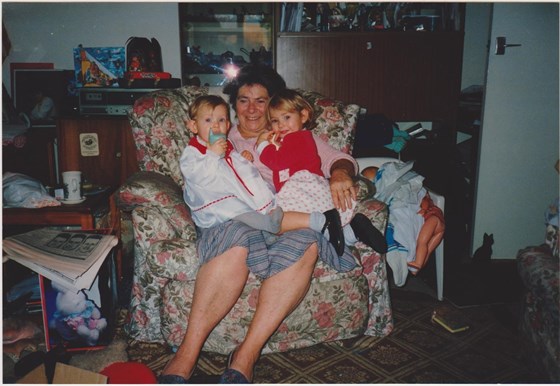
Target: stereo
point(109, 101)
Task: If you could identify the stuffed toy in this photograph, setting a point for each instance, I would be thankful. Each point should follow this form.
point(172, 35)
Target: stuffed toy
point(76, 317)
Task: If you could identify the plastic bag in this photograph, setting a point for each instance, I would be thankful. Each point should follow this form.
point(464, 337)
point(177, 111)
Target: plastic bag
point(21, 191)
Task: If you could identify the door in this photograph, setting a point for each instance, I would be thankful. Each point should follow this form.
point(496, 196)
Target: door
point(519, 140)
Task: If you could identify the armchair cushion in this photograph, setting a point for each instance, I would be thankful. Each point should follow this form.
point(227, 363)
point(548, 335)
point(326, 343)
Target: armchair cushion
point(335, 121)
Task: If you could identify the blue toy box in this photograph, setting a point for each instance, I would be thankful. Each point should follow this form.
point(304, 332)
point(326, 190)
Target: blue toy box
point(99, 66)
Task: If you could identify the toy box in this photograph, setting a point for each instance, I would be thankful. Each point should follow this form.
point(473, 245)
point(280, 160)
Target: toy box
point(63, 374)
point(99, 66)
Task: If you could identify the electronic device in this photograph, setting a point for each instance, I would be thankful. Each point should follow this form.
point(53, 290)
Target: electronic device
point(109, 101)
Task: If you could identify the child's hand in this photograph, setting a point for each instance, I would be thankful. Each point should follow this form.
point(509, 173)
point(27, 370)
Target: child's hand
point(274, 140)
point(219, 147)
point(247, 155)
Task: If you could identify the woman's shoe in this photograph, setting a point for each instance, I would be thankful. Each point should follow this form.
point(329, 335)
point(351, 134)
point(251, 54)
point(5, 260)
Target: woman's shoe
point(334, 225)
point(231, 375)
point(368, 234)
point(174, 379)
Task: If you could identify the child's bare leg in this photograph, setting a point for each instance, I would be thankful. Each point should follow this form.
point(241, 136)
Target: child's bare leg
point(429, 237)
point(294, 220)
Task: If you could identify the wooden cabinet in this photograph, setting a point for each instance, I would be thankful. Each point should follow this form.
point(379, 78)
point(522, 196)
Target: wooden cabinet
point(108, 163)
point(408, 76)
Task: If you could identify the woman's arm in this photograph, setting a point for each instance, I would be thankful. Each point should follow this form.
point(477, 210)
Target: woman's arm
point(340, 168)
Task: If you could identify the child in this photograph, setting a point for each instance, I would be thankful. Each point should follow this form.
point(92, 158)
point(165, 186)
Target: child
point(290, 152)
point(421, 222)
point(221, 185)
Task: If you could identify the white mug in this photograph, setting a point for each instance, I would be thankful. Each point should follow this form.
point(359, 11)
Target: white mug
point(72, 185)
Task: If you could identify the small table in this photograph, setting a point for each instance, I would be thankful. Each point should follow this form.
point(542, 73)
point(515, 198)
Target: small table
point(82, 214)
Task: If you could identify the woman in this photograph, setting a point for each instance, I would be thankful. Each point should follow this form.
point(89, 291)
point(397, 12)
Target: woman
point(221, 279)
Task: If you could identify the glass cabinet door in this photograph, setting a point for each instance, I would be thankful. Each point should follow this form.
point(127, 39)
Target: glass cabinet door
point(217, 39)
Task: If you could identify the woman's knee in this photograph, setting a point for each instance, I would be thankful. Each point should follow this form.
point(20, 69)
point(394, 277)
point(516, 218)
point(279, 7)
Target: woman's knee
point(311, 254)
point(235, 257)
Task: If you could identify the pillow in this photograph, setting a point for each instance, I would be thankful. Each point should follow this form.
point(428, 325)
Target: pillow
point(336, 122)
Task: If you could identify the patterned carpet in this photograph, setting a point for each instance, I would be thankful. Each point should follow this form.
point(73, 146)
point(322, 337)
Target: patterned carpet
point(417, 351)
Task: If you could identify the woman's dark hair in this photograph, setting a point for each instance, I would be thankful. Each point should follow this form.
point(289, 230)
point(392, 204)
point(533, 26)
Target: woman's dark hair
point(254, 74)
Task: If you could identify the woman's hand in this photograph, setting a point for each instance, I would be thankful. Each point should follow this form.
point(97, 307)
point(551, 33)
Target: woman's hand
point(343, 190)
point(264, 136)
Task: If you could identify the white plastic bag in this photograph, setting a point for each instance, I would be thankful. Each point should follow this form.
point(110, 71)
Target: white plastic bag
point(21, 191)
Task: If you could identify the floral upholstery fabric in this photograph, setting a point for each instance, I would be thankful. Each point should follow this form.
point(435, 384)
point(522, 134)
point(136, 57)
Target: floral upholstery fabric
point(337, 306)
point(539, 271)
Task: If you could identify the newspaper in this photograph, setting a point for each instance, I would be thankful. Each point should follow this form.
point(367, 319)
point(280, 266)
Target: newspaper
point(69, 258)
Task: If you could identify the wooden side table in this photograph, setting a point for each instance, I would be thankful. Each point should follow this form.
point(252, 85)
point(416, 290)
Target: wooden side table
point(18, 220)
point(82, 214)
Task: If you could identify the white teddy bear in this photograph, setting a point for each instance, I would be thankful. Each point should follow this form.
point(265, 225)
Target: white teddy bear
point(76, 317)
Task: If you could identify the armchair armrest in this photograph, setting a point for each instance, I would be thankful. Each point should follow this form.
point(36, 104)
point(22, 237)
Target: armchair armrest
point(157, 203)
point(148, 189)
point(174, 259)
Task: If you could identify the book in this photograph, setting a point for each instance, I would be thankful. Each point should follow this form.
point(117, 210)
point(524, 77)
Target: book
point(450, 319)
point(71, 258)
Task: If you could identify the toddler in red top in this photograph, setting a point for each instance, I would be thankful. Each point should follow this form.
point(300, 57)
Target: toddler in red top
point(289, 150)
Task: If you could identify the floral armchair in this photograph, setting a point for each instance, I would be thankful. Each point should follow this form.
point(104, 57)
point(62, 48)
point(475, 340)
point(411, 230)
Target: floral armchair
point(337, 306)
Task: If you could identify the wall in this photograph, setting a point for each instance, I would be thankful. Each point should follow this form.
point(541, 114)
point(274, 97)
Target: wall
point(47, 32)
point(519, 141)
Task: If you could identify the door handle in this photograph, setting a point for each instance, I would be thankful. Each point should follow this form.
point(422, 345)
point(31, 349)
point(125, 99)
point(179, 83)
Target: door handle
point(501, 45)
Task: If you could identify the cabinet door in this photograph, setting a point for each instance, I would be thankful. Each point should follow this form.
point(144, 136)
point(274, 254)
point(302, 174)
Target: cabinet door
point(325, 63)
point(408, 76)
point(422, 75)
point(109, 163)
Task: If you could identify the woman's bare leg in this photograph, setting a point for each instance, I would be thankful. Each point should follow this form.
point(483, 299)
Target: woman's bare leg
point(278, 297)
point(219, 284)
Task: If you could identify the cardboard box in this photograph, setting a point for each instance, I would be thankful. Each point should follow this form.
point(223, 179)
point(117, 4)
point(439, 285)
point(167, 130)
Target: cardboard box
point(63, 374)
point(99, 66)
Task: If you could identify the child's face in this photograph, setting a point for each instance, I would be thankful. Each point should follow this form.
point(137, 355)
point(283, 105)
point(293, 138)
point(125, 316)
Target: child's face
point(284, 122)
point(208, 118)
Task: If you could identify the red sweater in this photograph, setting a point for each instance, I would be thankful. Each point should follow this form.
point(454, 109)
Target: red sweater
point(297, 152)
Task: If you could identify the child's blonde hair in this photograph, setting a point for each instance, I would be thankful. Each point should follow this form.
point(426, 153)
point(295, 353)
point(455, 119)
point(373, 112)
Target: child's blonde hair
point(211, 101)
point(290, 100)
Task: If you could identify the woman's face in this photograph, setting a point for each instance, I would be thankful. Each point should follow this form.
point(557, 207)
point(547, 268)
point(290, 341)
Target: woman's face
point(251, 107)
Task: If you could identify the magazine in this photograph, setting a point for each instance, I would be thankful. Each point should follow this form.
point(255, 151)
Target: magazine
point(71, 258)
